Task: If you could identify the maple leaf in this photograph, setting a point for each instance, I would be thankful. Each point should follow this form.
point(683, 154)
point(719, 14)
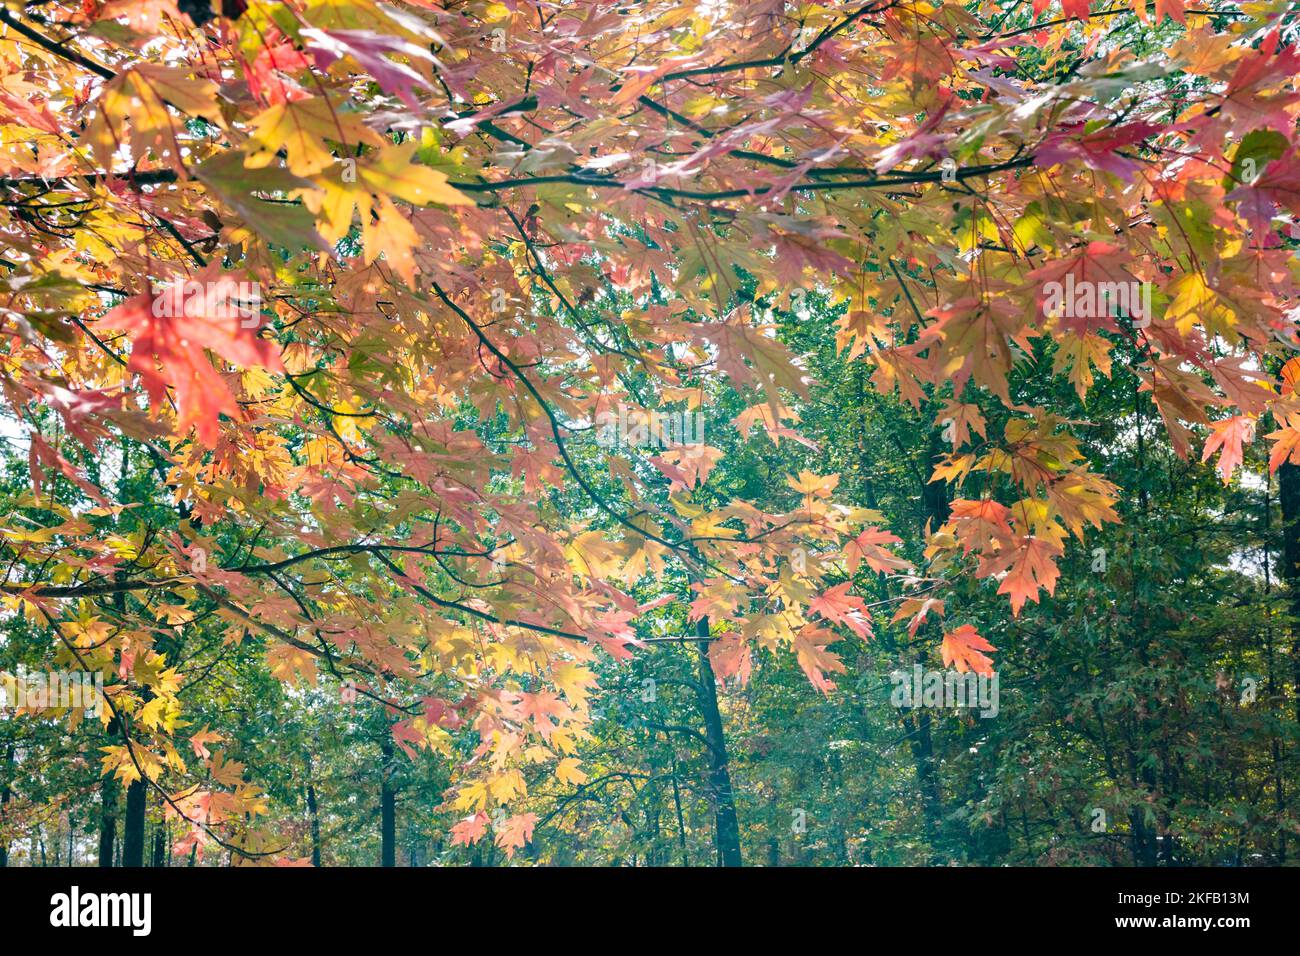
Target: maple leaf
point(541, 708)
point(1097, 149)
point(568, 771)
point(1081, 499)
point(136, 108)
point(267, 75)
point(469, 830)
point(731, 657)
point(574, 680)
point(283, 224)
point(980, 524)
point(201, 740)
point(1290, 376)
point(772, 364)
point(1286, 443)
point(1229, 436)
point(368, 50)
point(972, 338)
point(812, 485)
point(289, 663)
point(868, 546)
point(516, 832)
point(810, 645)
point(167, 350)
point(1095, 268)
point(1080, 354)
point(918, 609)
point(839, 606)
point(394, 171)
point(1196, 301)
point(146, 17)
point(42, 455)
point(961, 649)
point(1030, 566)
point(688, 466)
point(301, 128)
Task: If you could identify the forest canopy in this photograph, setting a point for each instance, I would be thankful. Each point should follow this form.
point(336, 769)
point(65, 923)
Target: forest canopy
point(559, 432)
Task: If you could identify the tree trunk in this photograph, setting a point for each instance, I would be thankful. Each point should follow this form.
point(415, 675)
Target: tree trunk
point(108, 789)
point(314, 816)
point(133, 831)
point(927, 780)
point(160, 845)
point(387, 806)
point(934, 500)
point(726, 826)
point(1288, 482)
point(6, 794)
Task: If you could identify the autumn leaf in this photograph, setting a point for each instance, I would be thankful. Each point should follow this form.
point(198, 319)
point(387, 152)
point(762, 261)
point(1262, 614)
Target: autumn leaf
point(688, 466)
point(962, 647)
point(1229, 437)
point(1029, 564)
point(810, 646)
point(469, 830)
point(301, 128)
point(871, 547)
point(568, 771)
point(168, 349)
point(839, 606)
point(731, 658)
point(291, 664)
point(812, 485)
point(368, 50)
point(515, 833)
point(200, 741)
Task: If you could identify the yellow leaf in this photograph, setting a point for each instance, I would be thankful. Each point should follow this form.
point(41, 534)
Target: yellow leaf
point(301, 128)
point(395, 172)
point(289, 663)
point(1194, 302)
point(567, 771)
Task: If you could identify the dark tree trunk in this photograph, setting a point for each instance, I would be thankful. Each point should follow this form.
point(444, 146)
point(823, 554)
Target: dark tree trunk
point(133, 831)
point(1288, 482)
point(677, 808)
point(314, 816)
point(934, 500)
point(726, 824)
point(6, 794)
point(108, 789)
point(387, 806)
point(927, 779)
point(160, 845)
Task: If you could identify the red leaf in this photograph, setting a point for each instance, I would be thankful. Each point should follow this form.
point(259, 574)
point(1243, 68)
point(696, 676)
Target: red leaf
point(1076, 8)
point(167, 349)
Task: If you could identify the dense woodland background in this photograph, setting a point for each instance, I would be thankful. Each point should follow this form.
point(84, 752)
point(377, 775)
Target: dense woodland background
point(1124, 692)
point(1149, 709)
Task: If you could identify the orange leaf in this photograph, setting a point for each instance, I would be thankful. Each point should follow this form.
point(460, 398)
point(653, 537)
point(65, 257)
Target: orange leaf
point(1030, 565)
point(516, 832)
point(961, 649)
point(843, 608)
point(470, 830)
point(1229, 435)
